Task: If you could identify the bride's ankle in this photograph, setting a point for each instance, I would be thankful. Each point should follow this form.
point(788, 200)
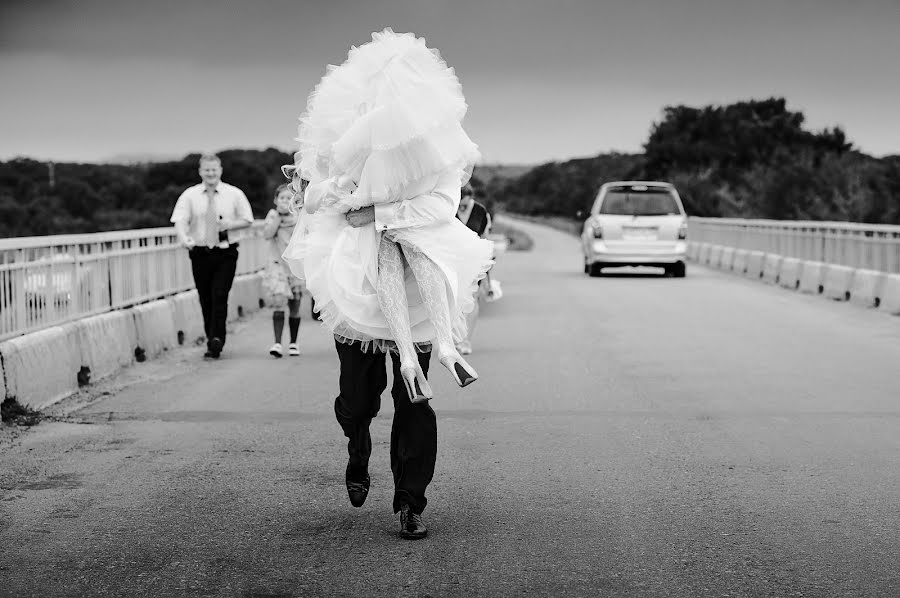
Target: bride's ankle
point(448, 354)
point(408, 360)
point(439, 349)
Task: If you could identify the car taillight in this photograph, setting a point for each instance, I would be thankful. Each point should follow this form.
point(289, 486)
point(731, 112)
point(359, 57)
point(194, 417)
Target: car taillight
point(598, 231)
point(682, 232)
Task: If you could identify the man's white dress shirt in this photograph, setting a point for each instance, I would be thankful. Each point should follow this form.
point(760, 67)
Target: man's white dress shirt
point(231, 204)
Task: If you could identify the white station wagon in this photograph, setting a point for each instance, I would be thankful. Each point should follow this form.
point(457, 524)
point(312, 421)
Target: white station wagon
point(636, 223)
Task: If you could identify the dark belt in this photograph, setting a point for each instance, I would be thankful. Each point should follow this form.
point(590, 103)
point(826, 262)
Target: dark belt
point(205, 248)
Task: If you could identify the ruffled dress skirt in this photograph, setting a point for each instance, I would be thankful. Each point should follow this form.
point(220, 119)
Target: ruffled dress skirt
point(390, 119)
point(339, 264)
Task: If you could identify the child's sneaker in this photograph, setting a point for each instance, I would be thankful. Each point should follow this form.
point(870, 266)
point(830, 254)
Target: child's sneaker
point(294, 349)
point(276, 350)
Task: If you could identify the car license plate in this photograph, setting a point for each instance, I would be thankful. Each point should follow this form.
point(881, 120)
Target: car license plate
point(639, 234)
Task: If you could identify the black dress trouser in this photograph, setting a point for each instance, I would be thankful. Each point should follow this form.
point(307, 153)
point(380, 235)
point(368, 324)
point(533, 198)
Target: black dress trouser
point(413, 433)
point(213, 271)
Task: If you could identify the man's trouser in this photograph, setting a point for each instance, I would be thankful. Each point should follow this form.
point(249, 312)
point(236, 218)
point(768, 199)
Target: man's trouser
point(213, 274)
point(413, 433)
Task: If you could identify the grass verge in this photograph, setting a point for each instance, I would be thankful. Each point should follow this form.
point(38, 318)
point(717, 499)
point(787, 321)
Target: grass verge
point(14, 413)
point(567, 225)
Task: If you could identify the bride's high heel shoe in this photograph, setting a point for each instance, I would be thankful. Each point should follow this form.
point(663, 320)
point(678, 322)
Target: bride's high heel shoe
point(462, 372)
point(417, 386)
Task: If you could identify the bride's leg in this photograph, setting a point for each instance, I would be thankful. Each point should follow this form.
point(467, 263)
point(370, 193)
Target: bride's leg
point(434, 295)
point(392, 301)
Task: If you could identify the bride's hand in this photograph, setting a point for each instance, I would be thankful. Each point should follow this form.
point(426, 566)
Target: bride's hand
point(361, 217)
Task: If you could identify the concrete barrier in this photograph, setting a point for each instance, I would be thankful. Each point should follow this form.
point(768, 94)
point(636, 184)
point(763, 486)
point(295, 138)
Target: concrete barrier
point(755, 262)
point(811, 277)
point(727, 258)
point(251, 292)
point(739, 263)
point(715, 256)
point(42, 367)
point(187, 317)
point(155, 324)
point(245, 294)
point(866, 287)
point(703, 253)
point(890, 295)
point(692, 250)
point(789, 273)
point(837, 282)
point(258, 292)
point(236, 299)
point(771, 271)
point(107, 343)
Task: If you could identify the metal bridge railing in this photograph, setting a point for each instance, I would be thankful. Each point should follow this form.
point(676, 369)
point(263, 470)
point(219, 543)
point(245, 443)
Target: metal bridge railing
point(869, 246)
point(49, 280)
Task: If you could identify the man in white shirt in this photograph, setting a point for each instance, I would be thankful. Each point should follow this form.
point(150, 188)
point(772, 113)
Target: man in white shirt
point(205, 217)
point(363, 377)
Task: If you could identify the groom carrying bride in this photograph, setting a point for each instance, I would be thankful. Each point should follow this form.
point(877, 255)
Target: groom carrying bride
point(391, 268)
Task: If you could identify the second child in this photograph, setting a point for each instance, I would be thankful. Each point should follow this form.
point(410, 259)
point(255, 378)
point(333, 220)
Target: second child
point(282, 288)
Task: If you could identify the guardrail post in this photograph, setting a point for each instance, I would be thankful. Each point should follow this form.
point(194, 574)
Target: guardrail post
point(821, 256)
point(77, 303)
point(20, 305)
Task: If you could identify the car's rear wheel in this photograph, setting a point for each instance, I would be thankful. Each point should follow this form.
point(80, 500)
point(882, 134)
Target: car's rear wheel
point(678, 270)
point(595, 269)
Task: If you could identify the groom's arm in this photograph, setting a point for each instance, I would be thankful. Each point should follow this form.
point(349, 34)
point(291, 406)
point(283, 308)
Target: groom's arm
point(439, 205)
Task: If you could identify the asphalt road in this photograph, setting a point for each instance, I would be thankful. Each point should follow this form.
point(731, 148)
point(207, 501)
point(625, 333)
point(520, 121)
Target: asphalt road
point(630, 436)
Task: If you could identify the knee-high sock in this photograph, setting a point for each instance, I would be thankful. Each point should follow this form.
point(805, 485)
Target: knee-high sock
point(294, 327)
point(434, 295)
point(294, 307)
point(278, 324)
point(392, 299)
point(294, 318)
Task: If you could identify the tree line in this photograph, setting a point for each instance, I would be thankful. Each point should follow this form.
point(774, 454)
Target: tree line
point(38, 198)
point(751, 159)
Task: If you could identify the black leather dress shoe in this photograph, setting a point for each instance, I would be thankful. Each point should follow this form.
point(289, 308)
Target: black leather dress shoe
point(215, 348)
point(357, 489)
point(411, 525)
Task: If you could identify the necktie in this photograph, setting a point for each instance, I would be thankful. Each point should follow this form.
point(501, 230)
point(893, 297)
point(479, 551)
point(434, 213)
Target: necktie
point(212, 227)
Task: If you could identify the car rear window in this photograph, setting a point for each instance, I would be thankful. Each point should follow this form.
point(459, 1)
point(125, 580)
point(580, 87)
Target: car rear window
point(639, 201)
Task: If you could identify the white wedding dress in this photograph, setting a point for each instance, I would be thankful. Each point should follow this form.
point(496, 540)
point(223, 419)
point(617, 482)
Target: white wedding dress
point(340, 266)
point(389, 120)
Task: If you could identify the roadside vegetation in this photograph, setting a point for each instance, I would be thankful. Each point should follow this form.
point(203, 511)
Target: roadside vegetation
point(14, 413)
point(751, 159)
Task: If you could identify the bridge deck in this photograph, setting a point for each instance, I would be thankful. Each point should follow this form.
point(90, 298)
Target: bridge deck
point(631, 435)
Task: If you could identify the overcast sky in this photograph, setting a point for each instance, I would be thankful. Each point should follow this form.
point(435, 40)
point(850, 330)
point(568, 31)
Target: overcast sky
point(545, 80)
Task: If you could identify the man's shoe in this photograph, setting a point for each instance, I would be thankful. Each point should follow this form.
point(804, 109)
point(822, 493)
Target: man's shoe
point(411, 525)
point(276, 350)
point(357, 490)
point(215, 347)
point(294, 350)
